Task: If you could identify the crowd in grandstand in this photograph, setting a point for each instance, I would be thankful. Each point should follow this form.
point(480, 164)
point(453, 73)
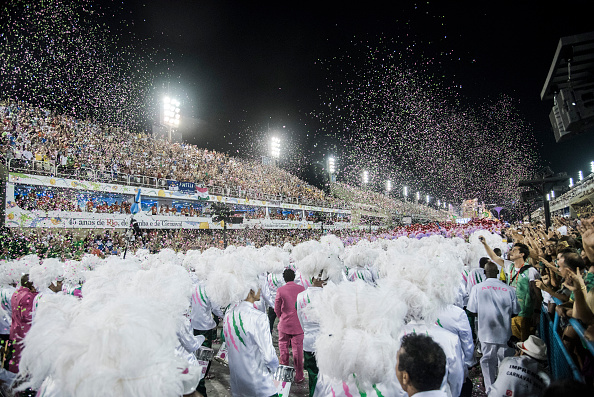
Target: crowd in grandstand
point(30, 133)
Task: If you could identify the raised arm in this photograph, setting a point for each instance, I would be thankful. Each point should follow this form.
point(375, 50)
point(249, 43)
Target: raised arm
point(490, 252)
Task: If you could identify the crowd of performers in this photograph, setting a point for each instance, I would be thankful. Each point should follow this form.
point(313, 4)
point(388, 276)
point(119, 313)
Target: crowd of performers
point(389, 317)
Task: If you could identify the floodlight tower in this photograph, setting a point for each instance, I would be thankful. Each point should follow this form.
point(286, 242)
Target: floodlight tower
point(171, 114)
point(365, 177)
point(332, 169)
point(275, 149)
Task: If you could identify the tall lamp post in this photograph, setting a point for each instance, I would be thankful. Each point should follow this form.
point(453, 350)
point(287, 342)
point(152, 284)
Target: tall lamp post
point(171, 114)
point(275, 149)
point(331, 169)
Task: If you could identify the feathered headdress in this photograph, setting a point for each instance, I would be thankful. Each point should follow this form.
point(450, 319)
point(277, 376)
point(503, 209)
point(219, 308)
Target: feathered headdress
point(46, 273)
point(321, 264)
point(118, 340)
point(359, 327)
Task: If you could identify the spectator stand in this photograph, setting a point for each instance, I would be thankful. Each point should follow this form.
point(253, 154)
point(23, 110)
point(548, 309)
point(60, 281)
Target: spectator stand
point(45, 201)
point(572, 203)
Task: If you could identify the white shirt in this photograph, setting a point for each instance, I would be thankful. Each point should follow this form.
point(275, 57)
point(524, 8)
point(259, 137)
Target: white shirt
point(310, 326)
point(449, 342)
point(495, 302)
point(360, 273)
point(474, 277)
point(251, 354)
point(300, 280)
point(518, 377)
point(202, 309)
point(455, 320)
point(6, 318)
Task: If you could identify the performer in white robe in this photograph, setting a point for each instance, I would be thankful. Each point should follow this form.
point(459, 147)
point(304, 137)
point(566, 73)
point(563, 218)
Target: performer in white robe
point(455, 320)
point(252, 358)
point(495, 303)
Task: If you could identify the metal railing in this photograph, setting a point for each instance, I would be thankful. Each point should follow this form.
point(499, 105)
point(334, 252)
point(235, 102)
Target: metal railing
point(560, 362)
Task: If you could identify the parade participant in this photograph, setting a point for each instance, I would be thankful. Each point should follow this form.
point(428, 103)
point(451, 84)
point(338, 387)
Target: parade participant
point(495, 303)
point(290, 332)
point(251, 355)
point(455, 320)
point(359, 260)
point(359, 331)
point(22, 307)
point(203, 323)
point(252, 358)
point(272, 283)
point(421, 366)
point(518, 274)
point(476, 275)
point(125, 334)
point(320, 268)
point(8, 284)
point(427, 282)
point(48, 278)
point(523, 375)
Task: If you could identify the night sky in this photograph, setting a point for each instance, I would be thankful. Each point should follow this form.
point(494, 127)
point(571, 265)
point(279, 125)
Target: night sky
point(326, 79)
point(238, 64)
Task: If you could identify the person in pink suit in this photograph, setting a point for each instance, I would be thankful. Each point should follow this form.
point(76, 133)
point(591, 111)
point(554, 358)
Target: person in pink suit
point(22, 307)
point(290, 332)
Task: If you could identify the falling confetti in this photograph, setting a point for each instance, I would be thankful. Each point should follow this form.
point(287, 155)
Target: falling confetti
point(397, 119)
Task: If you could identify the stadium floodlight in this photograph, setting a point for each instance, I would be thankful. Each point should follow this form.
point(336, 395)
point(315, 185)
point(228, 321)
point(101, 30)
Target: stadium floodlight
point(405, 191)
point(388, 186)
point(331, 165)
point(171, 113)
point(570, 182)
point(275, 147)
point(581, 175)
point(591, 166)
point(418, 196)
point(552, 194)
point(548, 197)
point(365, 177)
point(427, 198)
point(439, 203)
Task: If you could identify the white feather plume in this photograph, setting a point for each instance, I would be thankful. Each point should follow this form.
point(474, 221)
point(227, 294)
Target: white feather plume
point(359, 326)
point(46, 273)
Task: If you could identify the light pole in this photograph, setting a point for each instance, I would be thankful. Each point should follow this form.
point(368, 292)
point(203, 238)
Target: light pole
point(405, 194)
point(581, 175)
point(365, 177)
point(331, 169)
point(275, 148)
point(171, 114)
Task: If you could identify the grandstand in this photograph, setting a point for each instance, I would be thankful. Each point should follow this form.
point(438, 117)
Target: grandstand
point(578, 202)
point(65, 172)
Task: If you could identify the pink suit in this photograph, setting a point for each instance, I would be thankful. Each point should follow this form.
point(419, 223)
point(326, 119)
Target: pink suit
point(290, 332)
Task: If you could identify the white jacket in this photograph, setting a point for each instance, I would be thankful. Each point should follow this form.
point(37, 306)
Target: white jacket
point(252, 358)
